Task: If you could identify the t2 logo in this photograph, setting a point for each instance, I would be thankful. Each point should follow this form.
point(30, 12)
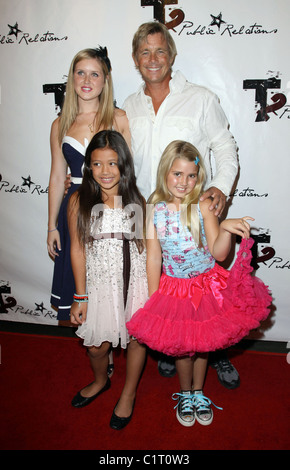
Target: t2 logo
point(58, 89)
point(176, 15)
point(261, 88)
point(6, 300)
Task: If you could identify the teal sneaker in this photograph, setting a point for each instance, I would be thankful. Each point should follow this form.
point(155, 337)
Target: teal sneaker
point(203, 411)
point(185, 412)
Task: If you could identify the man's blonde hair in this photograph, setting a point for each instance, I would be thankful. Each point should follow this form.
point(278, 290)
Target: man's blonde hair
point(153, 27)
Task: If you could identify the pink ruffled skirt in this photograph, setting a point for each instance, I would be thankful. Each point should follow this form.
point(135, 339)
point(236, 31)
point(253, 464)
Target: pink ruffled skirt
point(211, 311)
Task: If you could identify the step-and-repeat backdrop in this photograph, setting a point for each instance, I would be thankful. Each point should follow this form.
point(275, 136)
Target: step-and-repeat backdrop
point(237, 49)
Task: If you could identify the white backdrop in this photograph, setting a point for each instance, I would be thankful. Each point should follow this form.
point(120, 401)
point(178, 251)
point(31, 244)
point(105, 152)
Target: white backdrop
point(237, 49)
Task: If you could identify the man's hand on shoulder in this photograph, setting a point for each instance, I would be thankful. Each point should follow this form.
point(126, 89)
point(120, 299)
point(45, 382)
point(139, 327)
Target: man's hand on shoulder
point(218, 199)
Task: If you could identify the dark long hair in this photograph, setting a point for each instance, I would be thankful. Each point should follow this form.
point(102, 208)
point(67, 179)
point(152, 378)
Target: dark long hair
point(89, 192)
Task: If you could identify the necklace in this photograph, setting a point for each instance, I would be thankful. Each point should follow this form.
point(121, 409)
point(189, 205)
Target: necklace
point(92, 125)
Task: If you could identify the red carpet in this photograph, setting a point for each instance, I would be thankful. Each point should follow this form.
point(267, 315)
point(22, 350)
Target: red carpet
point(40, 375)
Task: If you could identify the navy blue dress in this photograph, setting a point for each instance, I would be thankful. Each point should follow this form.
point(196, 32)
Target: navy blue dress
point(63, 285)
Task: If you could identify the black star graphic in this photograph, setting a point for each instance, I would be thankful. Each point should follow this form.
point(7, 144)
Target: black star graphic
point(217, 20)
point(27, 181)
point(14, 30)
point(40, 307)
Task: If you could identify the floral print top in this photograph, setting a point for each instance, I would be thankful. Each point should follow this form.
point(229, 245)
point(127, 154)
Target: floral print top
point(182, 257)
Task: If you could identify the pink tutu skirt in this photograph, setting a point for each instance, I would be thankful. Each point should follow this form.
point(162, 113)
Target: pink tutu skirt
point(211, 311)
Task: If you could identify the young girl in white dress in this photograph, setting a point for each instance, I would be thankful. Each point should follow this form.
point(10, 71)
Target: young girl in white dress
point(195, 305)
point(108, 260)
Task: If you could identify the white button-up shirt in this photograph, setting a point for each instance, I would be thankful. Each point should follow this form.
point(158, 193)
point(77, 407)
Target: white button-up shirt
point(191, 113)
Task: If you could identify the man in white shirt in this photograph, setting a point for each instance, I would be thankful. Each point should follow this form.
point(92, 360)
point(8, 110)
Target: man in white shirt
point(166, 108)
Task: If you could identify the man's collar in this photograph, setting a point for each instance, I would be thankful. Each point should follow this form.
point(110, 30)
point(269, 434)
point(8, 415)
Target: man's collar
point(177, 83)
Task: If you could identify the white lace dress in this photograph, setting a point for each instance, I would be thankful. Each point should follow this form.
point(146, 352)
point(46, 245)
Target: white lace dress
point(107, 315)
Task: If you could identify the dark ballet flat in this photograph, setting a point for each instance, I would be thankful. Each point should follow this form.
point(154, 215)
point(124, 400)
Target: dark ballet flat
point(119, 423)
point(79, 401)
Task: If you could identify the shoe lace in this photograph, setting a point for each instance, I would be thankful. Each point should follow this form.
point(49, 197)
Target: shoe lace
point(202, 403)
point(186, 401)
point(225, 365)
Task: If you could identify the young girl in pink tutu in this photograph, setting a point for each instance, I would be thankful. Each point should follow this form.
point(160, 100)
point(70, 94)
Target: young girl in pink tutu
point(195, 305)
